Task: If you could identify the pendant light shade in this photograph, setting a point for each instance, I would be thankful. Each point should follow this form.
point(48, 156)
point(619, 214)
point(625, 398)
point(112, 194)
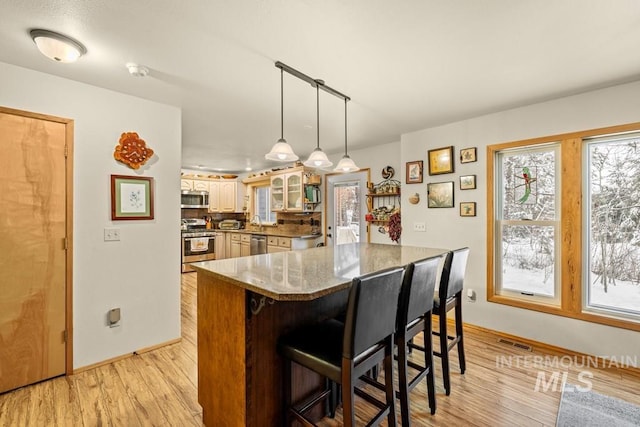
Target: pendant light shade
point(56, 46)
point(318, 159)
point(281, 151)
point(346, 164)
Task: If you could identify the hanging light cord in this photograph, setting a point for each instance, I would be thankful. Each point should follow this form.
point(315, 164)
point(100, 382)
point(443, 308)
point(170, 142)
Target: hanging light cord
point(281, 104)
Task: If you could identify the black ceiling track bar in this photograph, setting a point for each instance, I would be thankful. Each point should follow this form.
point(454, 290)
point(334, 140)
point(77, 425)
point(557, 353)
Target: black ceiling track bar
point(313, 82)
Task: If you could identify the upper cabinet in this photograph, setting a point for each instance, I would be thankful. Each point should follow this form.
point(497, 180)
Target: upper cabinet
point(223, 196)
point(194, 185)
point(294, 191)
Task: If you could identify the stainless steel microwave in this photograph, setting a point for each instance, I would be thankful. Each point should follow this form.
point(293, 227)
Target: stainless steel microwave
point(194, 199)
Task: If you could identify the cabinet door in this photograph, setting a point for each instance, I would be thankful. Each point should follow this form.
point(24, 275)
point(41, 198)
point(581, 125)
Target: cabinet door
point(220, 246)
point(245, 249)
point(228, 196)
point(294, 192)
point(200, 185)
point(277, 193)
point(186, 184)
point(235, 249)
point(214, 196)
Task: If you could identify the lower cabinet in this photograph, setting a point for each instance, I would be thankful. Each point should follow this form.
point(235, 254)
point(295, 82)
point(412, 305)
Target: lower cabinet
point(278, 244)
point(245, 244)
point(235, 245)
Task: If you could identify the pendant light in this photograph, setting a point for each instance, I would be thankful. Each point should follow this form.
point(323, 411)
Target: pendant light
point(346, 164)
point(318, 159)
point(281, 151)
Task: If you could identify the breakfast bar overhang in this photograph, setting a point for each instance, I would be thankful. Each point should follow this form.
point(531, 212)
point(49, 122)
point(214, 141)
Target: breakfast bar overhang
point(245, 304)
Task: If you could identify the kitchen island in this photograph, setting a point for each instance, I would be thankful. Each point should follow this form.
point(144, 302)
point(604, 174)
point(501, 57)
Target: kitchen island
point(245, 304)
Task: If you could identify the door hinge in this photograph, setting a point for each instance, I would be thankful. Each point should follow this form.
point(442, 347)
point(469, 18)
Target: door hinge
point(65, 335)
point(66, 244)
point(66, 151)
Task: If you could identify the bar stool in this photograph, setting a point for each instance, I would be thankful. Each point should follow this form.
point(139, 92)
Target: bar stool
point(343, 352)
point(450, 297)
point(414, 317)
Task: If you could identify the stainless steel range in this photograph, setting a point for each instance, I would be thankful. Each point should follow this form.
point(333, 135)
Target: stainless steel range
point(198, 243)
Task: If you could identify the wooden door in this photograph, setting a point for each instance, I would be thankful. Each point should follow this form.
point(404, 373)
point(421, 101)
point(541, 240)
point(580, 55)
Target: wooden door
point(214, 196)
point(228, 197)
point(33, 261)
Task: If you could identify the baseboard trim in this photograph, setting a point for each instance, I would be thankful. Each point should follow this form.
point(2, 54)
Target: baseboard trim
point(547, 347)
point(124, 356)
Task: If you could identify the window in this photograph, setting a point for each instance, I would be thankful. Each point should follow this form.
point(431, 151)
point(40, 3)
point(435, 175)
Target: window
point(528, 224)
point(612, 273)
point(262, 204)
point(563, 234)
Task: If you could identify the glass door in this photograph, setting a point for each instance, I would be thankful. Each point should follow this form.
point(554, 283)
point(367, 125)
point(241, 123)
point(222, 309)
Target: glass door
point(346, 207)
point(277, 193)
point(294, 192)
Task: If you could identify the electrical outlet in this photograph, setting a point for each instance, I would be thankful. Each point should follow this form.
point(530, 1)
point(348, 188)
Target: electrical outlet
point(471, 295)
point(111, 234)
point(419, 226)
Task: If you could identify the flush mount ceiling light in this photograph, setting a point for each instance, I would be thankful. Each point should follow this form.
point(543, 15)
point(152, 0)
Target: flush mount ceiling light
point(281, 151)
point(318, 159)
point(137, 70)
point(56, 46)
point(346, 164)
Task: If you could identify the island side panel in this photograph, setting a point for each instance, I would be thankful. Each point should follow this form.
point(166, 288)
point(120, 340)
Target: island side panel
point(264, 370)
point(221, 352)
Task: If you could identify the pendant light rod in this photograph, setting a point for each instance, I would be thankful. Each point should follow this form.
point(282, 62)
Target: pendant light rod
point(318, 116)
point(313, 82)
point(281, 104)
point(345, 127)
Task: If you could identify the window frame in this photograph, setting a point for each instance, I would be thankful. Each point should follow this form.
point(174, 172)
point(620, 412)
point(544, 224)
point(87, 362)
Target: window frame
point(571, 235)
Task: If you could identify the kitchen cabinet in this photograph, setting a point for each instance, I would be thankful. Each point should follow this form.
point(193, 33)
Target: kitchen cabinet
point(245, 244)
point(194, 185)
point(221, 252)
point(293, 192)
point(223, 196)
point(235, 245)
point(273, 244)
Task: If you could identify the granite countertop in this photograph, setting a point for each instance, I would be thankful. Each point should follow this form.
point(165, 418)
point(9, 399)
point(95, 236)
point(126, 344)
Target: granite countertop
point(274, 232)
point(304, 275)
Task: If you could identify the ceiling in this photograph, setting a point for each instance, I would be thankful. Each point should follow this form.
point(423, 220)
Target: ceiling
point(406, 65)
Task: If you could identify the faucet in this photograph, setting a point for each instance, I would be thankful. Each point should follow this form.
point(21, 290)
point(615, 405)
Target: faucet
point(259, 222)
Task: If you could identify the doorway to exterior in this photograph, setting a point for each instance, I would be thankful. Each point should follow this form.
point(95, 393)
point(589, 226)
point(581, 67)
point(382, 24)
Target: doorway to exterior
point(36, 174)
point(346, 206)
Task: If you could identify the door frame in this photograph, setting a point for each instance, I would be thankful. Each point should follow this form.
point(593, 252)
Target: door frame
point(326, 198)
point(68, 243)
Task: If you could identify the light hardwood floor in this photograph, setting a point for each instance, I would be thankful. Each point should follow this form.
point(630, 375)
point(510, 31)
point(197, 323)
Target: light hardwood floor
point(158, 388)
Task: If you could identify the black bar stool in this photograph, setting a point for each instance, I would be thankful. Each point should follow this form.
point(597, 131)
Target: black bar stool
point(450, 297)
point(414, 317)
point(344, 352)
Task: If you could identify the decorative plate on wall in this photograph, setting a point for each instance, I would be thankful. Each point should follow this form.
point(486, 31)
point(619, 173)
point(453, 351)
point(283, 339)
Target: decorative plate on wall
point(388, 172)
point(132, 150)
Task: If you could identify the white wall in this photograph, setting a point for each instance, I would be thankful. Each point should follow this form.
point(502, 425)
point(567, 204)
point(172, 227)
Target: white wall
point(376, 158)
point(446, 229)
point(140, 273)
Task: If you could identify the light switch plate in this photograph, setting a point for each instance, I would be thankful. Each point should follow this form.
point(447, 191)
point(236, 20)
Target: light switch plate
point(111, 234)
point(419, 226)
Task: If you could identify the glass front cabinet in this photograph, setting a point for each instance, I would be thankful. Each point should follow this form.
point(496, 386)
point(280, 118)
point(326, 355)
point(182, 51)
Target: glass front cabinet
point(291, 192)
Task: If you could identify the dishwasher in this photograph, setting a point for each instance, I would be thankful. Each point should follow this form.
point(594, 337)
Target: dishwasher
point(258, 245)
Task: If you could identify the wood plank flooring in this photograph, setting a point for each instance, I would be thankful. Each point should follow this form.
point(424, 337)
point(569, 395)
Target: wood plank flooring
point(159, 388)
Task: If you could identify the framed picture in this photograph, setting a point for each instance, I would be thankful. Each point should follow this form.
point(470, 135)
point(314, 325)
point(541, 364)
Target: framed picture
point(467, 208)
point(468, 155)
point(467, 182)
point(440, 160)
point(131, 197)
point(440, 195)
point(414, 172)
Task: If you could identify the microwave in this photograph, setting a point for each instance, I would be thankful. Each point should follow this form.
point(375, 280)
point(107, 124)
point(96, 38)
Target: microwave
point(194, 199)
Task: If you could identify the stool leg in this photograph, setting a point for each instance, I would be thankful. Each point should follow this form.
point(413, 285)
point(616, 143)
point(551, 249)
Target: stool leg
point(388, 380)
point(428, 360)
point(402, 381)
point(444, 352)
point(459, 333)
point(348, 394)
point(286, 398)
